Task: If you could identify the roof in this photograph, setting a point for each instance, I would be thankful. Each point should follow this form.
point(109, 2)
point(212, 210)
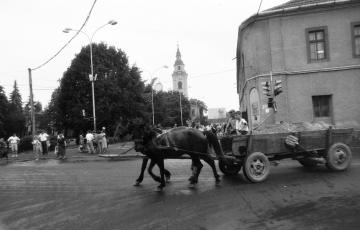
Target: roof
point(179, 62)
point(295, 3)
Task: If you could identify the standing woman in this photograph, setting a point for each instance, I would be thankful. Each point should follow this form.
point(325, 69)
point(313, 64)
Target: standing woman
point(104, 142)
point(37, 147)
point(61, 143)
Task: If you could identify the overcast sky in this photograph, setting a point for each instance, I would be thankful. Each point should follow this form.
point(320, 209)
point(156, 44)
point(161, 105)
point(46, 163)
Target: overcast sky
point(148, 31)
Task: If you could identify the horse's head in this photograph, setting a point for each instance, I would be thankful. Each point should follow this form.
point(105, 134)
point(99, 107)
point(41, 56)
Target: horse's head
point(142, 136)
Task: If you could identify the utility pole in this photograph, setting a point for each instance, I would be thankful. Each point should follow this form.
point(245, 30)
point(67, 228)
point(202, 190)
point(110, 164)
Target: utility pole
point(32, 105)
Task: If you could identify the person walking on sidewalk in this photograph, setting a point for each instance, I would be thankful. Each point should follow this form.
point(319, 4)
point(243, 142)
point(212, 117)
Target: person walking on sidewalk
point(37, 147)
point(89, 142)
point(14, 141)
point(104, 139)
point(81, 143)
point(61, 143)
point(99, 141)
point(44, 138)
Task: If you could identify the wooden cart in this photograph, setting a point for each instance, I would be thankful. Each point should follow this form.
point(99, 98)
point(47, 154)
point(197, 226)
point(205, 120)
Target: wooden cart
point(255, 152)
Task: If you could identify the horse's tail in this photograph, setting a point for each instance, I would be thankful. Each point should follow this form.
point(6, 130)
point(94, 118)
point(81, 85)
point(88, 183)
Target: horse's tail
point(214, 143)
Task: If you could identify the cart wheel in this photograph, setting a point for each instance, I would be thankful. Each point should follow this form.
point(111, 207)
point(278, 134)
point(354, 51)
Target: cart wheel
point(256, 167)
point(307, 163)
point(230, 169)
point(338, 157)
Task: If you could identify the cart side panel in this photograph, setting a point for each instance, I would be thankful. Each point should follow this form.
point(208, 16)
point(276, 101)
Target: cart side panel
point(239, 141)
point(342, 135)
point(313, 140)
point(270, 144)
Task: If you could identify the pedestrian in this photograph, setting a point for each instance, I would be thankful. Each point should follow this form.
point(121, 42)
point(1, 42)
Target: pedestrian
point(81, 143)
point(14, 141)
point(37, 147)
point(99, 141)
point(104, 139)
point(89, 142)
point(44, 138)
point(61, 143)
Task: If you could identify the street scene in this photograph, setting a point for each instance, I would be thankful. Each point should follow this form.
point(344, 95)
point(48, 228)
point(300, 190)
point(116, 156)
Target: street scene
point(208, 115)
point(88, 192)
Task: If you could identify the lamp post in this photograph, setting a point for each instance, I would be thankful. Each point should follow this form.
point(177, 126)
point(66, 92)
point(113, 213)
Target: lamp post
point(152, 91)
point(92, 78)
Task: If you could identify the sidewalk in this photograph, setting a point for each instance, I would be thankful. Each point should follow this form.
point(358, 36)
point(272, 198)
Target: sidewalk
point(116, 150)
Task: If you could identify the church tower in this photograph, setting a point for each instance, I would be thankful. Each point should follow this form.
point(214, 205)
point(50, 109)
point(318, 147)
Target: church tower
point(179, 75)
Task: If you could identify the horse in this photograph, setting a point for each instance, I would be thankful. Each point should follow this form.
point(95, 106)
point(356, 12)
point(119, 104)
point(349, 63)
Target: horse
point(177, 142)
point(128, 129)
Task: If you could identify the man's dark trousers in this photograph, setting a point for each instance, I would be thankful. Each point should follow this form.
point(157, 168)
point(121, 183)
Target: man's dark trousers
point(44, 147)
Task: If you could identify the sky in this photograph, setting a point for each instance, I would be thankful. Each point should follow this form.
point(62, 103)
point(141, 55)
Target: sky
point(148, 31)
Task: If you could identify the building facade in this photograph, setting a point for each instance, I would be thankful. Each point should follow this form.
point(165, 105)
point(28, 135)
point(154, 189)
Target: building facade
point(179, 75)
point(313, 48)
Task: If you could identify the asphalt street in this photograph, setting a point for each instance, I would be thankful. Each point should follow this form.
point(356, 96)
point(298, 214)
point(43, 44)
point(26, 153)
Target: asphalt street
point(91, 192)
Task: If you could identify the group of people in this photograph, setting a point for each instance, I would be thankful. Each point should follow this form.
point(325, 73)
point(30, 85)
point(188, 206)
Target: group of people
point(41, 143)
point(93, 140)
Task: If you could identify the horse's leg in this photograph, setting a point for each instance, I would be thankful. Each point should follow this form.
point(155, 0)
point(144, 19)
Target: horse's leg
point(151, 166)
point(160, 163)
point(143, 167)
point(192, 172)
point(213, 167)
point(196, 168)
point(167, 174)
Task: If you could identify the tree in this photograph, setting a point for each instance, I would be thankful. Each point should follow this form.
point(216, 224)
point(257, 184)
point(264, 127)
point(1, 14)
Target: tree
point(118, 90)
point(15, 121)
point(4, 104)
point(167, 108)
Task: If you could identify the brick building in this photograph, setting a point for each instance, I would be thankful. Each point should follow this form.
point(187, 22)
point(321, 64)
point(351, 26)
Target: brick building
point(313, 47)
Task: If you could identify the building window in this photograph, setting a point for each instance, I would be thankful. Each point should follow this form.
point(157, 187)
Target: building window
point(179, 68)
point(321, 105)
point(355, 31)
point(179, 85)
point(317, 44)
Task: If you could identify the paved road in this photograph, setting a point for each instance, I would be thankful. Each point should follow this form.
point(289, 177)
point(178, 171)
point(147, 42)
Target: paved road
point(97, 193)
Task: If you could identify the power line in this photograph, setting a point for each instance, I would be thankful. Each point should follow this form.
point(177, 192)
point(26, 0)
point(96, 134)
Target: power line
point(87, 18)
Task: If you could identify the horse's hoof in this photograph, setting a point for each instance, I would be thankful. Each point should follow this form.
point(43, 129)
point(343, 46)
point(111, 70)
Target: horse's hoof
point(167, 178)
point(217, 183)
point(137, 183)
point(158, 189)
point(192, 185)
point(191, 178)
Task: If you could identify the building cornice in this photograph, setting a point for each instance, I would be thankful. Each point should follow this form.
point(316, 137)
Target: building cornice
point(299, 10)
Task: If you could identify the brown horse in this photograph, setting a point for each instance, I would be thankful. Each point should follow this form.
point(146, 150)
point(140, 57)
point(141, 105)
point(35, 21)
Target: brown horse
point(127, 128)
point(177, 142)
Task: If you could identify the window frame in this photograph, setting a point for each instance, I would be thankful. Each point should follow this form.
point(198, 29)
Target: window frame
point(329, 101)
point(326, 44)
point(353, 24)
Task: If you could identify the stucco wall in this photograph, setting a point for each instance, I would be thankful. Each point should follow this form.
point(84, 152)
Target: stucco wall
point(278, 44)
point(342, 85)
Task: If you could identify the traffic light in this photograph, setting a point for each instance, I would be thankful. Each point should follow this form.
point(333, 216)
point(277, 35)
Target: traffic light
point(267, 88)
point(277, 87)
point(271, 102)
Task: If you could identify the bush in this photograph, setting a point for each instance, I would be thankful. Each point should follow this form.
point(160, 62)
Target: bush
point(25, 144)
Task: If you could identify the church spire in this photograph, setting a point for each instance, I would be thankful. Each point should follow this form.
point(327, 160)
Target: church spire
point(178, 54)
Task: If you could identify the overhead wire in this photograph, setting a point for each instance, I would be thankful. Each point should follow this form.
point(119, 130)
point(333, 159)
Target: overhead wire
point(87, 18)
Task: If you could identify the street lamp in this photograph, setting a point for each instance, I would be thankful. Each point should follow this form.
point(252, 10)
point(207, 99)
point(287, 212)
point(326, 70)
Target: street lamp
point(152, 90)
point(92, 78)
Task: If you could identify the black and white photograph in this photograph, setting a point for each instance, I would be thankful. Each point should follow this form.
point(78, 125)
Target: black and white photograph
point(180, 115)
